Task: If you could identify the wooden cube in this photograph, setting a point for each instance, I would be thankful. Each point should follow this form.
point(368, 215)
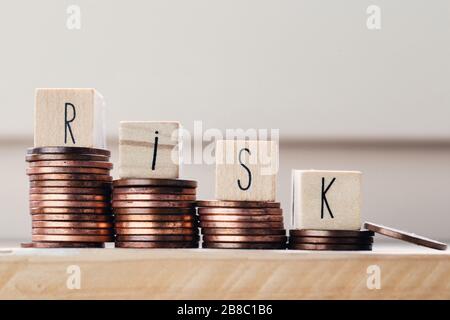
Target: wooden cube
point(70, 118)
point(246, 170)
point(327, 200)
point(149, 149)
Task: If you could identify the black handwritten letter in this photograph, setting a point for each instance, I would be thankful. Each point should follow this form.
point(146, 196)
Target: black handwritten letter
point(246, 169)
point(324, 197)
point(155, 151)
point(67, 122)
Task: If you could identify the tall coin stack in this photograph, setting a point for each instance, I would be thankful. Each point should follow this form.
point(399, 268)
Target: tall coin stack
point(155, 213)
point(70, 191)
point(242, 224)
point(333, 240)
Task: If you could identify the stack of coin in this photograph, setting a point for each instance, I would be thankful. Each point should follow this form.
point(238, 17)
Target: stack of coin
point(242, 224)
point(333, 240)
point(155, 213)
point(70, 191)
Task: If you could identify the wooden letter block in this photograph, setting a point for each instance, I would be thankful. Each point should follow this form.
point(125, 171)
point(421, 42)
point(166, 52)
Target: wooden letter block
point(327, 200)
point(246, 170)
point(70, 118)
point(149, 150)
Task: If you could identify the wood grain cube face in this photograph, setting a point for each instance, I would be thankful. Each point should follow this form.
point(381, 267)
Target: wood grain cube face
point(246, 170)
point(149, 150)
point(70, 118)
point(327, 200)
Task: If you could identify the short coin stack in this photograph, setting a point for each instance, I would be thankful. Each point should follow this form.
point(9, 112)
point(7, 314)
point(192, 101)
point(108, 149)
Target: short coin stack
point(242, 224)
point(155, 213)
point(70, 190)
point(333, 240)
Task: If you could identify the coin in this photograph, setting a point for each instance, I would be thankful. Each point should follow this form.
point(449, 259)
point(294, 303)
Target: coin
point(71, 217)
point(120, 211)
point(62, 190)
point(73, 164)
point(156, 245)
point(153, 217)
point(62, 245)
point(242, 238)
point(155, 231)
point(65, 157)
point(66, 204)
point(330, 247)
point(237, 231)
point(71, 238)
point(331, 233)
point(157, 238)
point(329, 240)
point(153, 190)
point(241, 211)
point(72, 224)
point(152, 204)
point(405, 236)
point(68, 197)
point(157, 197)
point(241, 225)
point(243, 218)
point(99, 211)
point(238, 204)
point(64, 170)
point(165, 224)
point(66, 176)
point(73, 231)
point(70, 184)
point(68, 150)
point(155, 182)
point(243, 245)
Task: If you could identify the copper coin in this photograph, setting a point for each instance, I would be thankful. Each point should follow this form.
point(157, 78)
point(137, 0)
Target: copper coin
point(72, 224)
point(237, 204)
point(405, 236)
point(68, 150)
point(242, 225)
point(243, 245)
point(69, 204)
point(156, 245)
point(154, 231)
point(331, 233)
point(52, 170)
point(66, 176)
point(71, 217)
point(62, 190)
point(100, 211)
point(157, 197)
point(73, 164)
point(154, 217)
point(155, 190)
point(120, 211)
point(73, 231)
point(330, 247)
point(240, 211)
point(152, 204)
point(158, 238)
point(65, 157)
point(71, 238)
point(155, 182)
point(68, 197)
point(70, 184)
point(243, 218)
point(324, 240)
point(245, 232)
point(165, 224)
point(62, 245)
point(249, 239)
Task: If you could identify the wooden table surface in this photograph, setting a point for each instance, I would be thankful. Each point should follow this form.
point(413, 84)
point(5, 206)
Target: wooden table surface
point(406, 272)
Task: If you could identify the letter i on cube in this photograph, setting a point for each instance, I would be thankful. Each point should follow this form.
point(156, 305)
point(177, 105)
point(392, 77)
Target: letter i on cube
point(149, 149)
point(326, 200)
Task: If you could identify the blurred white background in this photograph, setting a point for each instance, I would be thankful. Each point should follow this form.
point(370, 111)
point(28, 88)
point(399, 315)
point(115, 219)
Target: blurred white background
point(343, 96)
